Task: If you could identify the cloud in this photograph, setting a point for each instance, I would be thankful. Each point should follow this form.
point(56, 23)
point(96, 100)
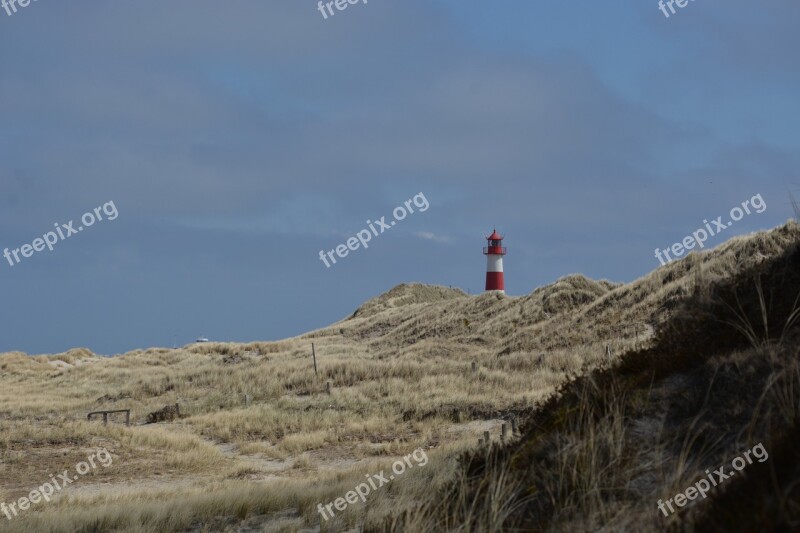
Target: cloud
point(429, 236)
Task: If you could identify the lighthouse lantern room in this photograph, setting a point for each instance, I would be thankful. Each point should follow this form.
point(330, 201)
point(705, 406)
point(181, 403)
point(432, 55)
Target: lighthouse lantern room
point(494, 263)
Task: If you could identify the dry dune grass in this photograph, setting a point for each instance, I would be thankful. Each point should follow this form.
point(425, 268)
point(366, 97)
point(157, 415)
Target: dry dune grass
point(400, 370)
point(722, 375)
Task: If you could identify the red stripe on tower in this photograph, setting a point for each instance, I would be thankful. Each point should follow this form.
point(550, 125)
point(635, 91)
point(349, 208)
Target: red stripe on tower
point(494, 263)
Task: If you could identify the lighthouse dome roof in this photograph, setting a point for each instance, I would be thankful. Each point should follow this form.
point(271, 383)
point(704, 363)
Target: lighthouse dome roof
point(495, 236)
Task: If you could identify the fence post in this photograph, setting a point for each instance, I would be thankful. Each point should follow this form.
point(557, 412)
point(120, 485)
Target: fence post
point(328, 387)
point(474, 367)
point(504, 431)
point(314, 355)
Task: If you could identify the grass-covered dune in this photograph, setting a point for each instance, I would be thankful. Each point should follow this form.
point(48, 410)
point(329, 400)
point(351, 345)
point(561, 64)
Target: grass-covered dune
point(721, 376)
point(260, 441)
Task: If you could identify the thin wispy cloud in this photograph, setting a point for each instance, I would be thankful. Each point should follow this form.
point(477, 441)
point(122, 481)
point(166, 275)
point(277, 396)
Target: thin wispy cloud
point(429, 236)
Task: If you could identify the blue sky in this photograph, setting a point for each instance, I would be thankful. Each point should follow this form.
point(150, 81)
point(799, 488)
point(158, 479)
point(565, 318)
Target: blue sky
point(237, 140)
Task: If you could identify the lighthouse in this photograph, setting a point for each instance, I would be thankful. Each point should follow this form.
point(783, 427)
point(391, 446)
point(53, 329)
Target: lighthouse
point(494, 263)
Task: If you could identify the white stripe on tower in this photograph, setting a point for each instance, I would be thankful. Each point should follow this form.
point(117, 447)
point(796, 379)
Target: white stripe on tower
point(494, 263)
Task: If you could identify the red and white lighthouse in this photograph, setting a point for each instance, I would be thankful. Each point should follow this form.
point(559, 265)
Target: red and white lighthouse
point(494, 263)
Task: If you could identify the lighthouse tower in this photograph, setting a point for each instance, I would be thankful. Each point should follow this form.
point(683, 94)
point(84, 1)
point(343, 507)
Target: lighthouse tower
point(494, 263)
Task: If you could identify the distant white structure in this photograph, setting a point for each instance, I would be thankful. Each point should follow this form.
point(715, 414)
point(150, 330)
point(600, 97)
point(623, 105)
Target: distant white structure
point(202, 339)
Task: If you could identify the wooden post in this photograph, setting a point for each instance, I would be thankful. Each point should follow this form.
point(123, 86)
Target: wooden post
point(105, 419)
point(486, 437)
point(314, 355)
point(128, 418)
point(503, 432)
point(328, 387)
point(474, 367)
point(514, 426)
point(177, 411)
